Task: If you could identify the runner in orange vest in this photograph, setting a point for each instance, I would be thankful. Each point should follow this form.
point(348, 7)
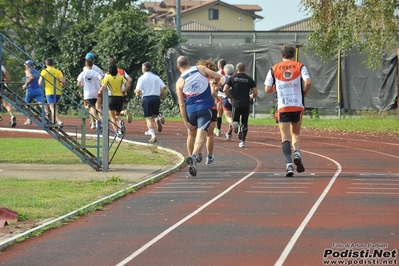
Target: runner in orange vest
point(287, 78)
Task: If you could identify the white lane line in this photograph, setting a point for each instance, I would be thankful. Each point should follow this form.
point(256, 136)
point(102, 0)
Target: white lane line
point(277, 192)
point(176, 191)
point(373, 193)
point(173, 227)
point(300, 229)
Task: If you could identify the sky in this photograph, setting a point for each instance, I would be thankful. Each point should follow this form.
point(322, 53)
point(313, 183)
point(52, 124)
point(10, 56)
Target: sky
point(275, 13)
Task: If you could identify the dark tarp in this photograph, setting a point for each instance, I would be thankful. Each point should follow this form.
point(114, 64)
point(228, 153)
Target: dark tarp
point(361, 88)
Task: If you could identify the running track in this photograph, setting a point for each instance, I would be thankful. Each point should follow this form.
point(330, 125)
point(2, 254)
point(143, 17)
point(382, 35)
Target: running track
point(241, 210)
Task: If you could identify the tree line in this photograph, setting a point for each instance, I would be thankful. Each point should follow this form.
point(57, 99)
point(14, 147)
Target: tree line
point(66, 30)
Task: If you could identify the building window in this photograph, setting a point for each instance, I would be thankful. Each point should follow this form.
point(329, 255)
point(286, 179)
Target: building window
point(213, 14)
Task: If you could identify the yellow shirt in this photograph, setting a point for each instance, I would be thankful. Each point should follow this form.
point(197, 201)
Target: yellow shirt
point(114, 84)
point(49, 75)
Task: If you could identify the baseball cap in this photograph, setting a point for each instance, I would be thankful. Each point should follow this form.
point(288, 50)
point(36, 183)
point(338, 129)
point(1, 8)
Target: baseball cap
point(89, 56)
point(29, 63)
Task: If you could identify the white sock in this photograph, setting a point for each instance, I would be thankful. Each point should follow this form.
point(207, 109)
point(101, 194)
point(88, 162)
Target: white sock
point(152, 132)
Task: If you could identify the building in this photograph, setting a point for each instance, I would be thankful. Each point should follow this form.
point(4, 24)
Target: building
point(205, 15)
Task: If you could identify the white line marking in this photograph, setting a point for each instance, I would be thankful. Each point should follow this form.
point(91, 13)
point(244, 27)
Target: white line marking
point(278, 192)
point(384, 188)
point(173, 227)
point(300, 229)
point(175, 191)
point(373, 193)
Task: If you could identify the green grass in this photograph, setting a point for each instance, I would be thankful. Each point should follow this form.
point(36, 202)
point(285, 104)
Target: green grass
point(25, 150)
point(43, 198)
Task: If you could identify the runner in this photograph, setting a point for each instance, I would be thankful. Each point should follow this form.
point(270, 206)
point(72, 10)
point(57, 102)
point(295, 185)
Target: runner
point(288, 76)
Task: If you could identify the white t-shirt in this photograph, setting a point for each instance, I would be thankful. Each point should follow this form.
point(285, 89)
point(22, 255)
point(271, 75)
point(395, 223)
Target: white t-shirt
point(97, 69)
point(150, 84)
point(91, 83)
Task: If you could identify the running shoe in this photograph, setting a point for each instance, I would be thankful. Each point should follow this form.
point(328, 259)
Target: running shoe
point(159, 124)
point(289, 171)
point(129, 116)
point(241, 144)
point(228, 135)
point(199, 158)
point(28, 122)
point(235, 126)
point(210, 158)
point(241, 132)
point(153, 140)
point(160, 116)
point(192, 165)
point(1, 118)
point(13, 121)
point(298, 162)
point(122, 127)
point(92, 125)
point(216, 131)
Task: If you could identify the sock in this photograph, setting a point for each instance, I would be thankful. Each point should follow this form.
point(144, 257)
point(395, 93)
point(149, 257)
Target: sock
point(219, 122)
point(297, 152)
point(286, 147)
point(152, 132)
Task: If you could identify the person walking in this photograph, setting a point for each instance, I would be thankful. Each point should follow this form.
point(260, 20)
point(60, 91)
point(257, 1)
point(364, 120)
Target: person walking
point(5, 77)
point(90, 81)
point(113, 83)
point(195, 104)
point(33, 90)
point(286, 78)
point(53, 81)
point(152, 88)
point(240, 94)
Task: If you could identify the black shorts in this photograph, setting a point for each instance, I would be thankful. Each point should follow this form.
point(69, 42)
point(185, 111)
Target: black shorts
point(293, 117)
point(214, 115)
point(91, 102)
point(115, 103)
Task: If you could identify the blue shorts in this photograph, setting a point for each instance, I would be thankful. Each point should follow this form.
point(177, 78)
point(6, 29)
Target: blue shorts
point(34, 94)
point(200, 119)
point(51, 99)
point(151, 105)
point(226, 104)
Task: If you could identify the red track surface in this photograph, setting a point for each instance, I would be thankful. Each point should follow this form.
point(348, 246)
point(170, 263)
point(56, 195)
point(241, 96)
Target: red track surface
point(241, 210)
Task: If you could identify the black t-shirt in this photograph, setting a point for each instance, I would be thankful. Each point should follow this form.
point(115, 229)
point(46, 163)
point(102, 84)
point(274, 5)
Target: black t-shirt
point(241, 85)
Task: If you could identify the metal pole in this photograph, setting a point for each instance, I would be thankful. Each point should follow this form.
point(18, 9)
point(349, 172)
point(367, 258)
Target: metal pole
point(253, 75)
point(339, 84)
point(178, 18)
point(105, 132)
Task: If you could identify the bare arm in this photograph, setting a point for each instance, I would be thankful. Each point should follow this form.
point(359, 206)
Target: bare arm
point(254, 93)
point(6, 76)
point(308, 85)
point(226, 91)
point(30, 79)
point(270, 89)
point(182, 103)
point(128, 83)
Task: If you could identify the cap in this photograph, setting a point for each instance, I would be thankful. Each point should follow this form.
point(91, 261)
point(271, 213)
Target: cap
point(89, 56)
point(29, 63)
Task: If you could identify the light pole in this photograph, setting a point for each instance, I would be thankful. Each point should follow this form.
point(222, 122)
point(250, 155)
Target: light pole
point(240, 22)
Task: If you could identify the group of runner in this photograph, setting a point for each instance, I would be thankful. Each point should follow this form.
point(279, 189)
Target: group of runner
point(203, 91)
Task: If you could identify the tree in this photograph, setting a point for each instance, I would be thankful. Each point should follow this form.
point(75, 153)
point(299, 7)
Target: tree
point(370, 25)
